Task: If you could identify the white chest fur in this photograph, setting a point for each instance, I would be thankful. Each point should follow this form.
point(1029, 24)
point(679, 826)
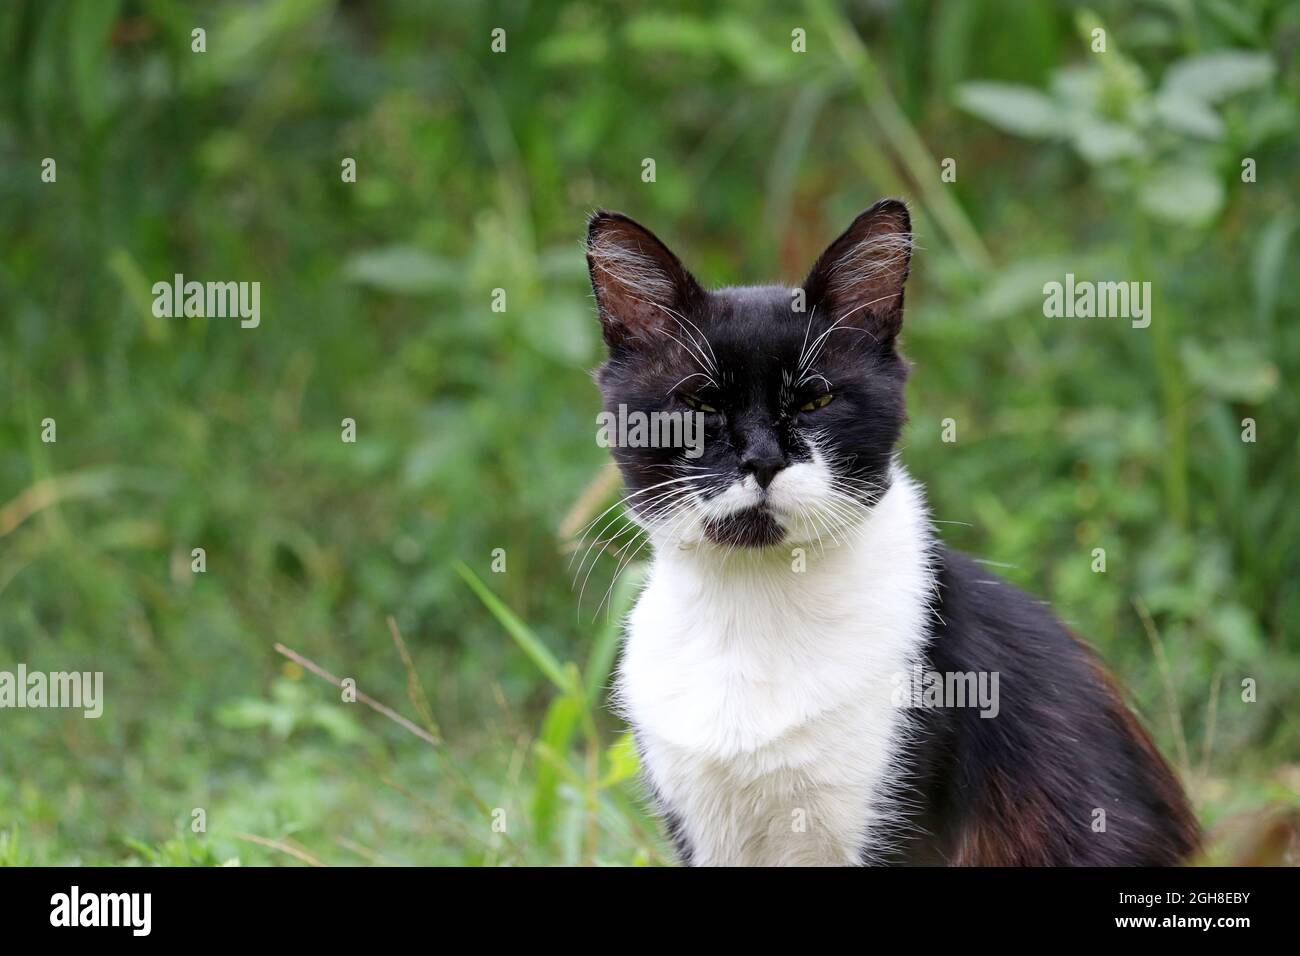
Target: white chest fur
point(763, 697)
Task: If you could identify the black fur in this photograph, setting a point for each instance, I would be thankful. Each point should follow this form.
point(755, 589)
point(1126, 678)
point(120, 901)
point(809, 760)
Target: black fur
point(1022, 789)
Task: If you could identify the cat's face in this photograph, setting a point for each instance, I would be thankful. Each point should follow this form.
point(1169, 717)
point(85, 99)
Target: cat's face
point(799, 392)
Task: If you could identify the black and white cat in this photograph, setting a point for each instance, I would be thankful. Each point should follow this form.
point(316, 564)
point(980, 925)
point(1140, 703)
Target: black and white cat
point(796, 580)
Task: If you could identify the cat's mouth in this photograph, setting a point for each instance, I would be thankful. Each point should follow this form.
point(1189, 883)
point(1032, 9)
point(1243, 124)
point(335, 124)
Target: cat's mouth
point(754, 527)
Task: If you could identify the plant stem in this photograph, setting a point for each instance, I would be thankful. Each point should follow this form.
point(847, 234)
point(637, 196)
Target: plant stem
point(901, 135)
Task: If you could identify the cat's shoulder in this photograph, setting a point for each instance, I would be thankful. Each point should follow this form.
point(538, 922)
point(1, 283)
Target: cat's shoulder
point(980, 620)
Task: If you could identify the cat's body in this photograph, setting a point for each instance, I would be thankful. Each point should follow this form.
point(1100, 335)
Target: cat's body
point(797, 587)
point(763, 700)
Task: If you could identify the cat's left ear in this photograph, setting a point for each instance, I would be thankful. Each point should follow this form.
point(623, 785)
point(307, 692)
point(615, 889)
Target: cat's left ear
point(859, 279)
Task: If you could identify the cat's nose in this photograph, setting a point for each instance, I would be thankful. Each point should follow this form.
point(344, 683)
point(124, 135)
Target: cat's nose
point(763, 467)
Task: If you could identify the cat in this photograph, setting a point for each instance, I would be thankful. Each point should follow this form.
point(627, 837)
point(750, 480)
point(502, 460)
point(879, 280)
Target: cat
point(797, 590)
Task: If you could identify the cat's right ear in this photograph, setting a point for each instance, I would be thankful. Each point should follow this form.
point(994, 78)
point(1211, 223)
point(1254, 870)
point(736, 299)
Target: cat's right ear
point(859, 279)
point(639, 283)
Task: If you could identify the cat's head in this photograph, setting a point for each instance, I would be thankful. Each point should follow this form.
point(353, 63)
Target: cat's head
point(799, 391)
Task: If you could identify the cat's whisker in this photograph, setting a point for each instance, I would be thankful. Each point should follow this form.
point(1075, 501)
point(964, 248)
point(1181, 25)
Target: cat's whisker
point(657, 510)
point(809, 525)
point(707, 363)
point(688, 378)
point(649, 503)
point(583, 531)
point(632, 526)
point(622, 566)
point(803, 349)
point(702, 363)
point(680, 319)
point(819, 343)
point(680, 512)
point(824, 521)
point(864, 305)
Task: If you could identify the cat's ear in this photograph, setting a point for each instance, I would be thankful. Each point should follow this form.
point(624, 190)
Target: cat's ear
point(638, 282)
point(859, 279)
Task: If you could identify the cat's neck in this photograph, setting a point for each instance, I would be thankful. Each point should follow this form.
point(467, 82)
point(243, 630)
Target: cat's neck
point(726, 652)
point(894, 536)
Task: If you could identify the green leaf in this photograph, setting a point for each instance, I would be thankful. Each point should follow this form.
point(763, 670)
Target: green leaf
point(624, 762)
point(1187, 114)
point(337, 722)
point(677, 33)
point(1241, 22)
point(1237, 633)
point(1076, 87)
point(1019, 285)
point(137, 289)
point(1186, 195)
point(1269, 264)
point(1022, 110)
point(91, 23)
point(1237, 370)
point(573, 48)
point(1269, 119)
point(560, 328)
point(528, 642)
point(557, 733)
point(247, 36)
point(1099, 141)
point(556, 761)
point(1219, 75)
point(401, 269)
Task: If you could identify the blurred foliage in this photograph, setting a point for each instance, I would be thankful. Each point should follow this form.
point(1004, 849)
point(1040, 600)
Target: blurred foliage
point(474, 172)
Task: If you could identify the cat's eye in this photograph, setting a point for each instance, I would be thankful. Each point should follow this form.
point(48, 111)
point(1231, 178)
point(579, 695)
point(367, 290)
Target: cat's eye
point(821, 401)
point(698, 405)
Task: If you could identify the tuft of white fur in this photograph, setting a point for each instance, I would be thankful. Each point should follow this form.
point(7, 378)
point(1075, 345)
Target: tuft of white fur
point(882, 254)
point(763, 696)
point(801, 497)
point(638, 274)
